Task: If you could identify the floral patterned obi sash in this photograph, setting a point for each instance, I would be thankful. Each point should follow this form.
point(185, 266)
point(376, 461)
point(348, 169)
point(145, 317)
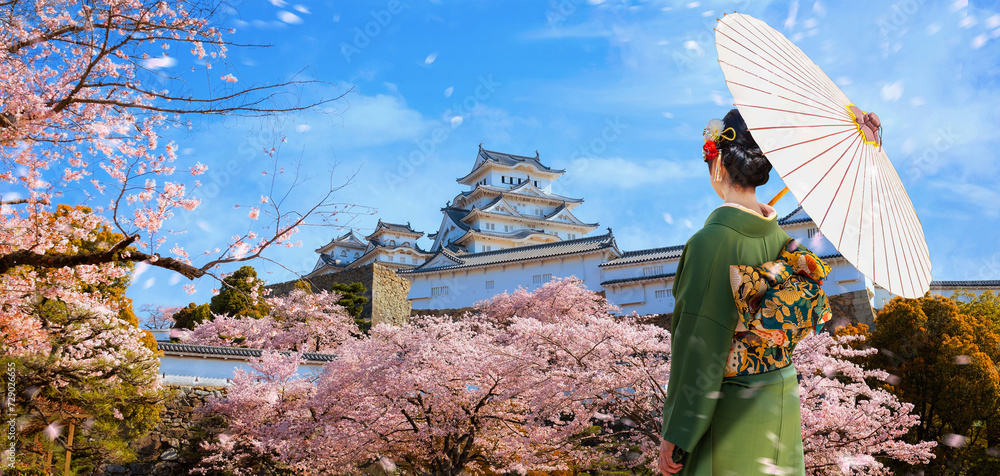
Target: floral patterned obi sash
point(780, 302)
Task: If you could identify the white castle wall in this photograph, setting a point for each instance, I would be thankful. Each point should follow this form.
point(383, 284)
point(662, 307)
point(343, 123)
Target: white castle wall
point(211, 370)
point(468, 286)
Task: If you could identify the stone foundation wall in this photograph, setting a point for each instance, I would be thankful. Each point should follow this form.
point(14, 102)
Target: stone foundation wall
point(386, 291)
point(851, 308)
point(390, 303)
point(171, 448)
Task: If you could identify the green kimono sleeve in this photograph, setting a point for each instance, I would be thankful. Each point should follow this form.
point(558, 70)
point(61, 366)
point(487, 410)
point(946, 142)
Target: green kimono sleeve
point(701, 335)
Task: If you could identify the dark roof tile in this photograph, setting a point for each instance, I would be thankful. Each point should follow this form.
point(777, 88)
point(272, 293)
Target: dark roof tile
point(172, 347)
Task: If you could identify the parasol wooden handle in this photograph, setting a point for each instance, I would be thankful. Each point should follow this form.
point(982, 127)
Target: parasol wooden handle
point(777, 197)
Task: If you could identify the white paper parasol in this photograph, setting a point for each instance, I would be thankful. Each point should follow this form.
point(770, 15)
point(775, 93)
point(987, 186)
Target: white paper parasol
point(832, 162)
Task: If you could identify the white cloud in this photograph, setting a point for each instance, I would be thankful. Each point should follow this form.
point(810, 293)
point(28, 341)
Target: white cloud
point(161, 62)
point(819, 9)
point(892, 92)
point(668, 218)
point(688, 223)
point(278, 3)
point(793, 11)
point(447, 92)
point(970, 194)
point(372, 121)
point(289, 17)
point(621, 173)
point(300, 128)
point(301, 9)
point(456, 121)
point(430, 58)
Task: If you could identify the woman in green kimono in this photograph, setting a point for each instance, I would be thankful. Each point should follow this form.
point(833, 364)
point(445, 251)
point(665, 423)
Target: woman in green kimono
point(732, 404)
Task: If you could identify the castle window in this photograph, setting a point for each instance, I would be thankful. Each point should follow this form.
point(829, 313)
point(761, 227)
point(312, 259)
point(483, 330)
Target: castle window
point(487, 248)
point(536, 183)
point(489, 284)
point(406, 243)
point(652, 270)
point(811, 233)
point(343, 253)
point(571, 236)
point(503, 179)
point(439, 291)
point(541, 278)
point(356, 254)
point(663, 293)
point(392, 242)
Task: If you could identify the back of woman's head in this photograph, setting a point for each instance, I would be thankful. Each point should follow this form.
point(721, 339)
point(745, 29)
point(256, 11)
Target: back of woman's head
point(747, 166)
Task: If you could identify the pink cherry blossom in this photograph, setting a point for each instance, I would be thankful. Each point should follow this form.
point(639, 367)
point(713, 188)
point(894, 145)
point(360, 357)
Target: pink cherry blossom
point(512, 386)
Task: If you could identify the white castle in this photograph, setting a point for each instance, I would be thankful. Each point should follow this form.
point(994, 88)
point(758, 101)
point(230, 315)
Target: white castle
point(508, 230)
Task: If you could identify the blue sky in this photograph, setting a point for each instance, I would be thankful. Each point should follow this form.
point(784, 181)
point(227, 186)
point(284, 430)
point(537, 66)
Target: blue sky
point(616, 93)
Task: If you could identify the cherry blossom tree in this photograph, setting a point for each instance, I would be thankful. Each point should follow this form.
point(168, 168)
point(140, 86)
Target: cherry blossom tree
point(547, 380)
point(298, 321)
point(86, 110)
point(91, 372)
point(158, 316)
point(848, 427)
point(484, 393)
point(83, 108)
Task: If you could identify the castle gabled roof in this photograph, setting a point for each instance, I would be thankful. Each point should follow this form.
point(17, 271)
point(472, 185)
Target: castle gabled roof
point(383, 227)
point(525, 190)
point(518, 235)
point(349, 240)
point(486, 157)
point(523, 253)
point(499, 207)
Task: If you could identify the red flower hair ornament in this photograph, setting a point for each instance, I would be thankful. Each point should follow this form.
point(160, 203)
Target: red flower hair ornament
point(714, 132)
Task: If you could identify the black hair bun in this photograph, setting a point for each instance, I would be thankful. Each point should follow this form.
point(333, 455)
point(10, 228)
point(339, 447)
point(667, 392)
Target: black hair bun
point(746, 164)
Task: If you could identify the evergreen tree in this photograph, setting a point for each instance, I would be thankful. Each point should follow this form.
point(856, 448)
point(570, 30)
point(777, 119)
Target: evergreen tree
point(946, 362)
point(352, 297)
point(191, 316)
point(240, 295)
